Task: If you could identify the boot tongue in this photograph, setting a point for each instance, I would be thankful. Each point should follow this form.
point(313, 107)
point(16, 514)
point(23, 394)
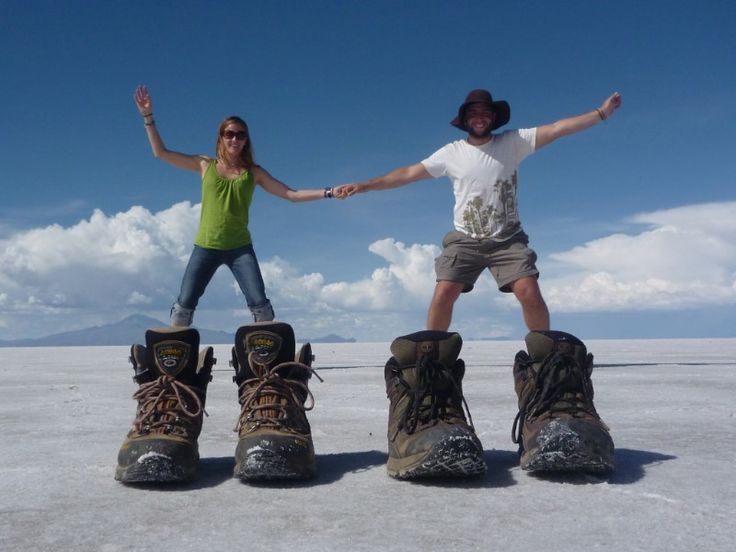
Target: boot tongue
point(443, 347)
point(542, 343)
point(539, 345)
point(173, 352)
point(429, 365)
point(270, 343)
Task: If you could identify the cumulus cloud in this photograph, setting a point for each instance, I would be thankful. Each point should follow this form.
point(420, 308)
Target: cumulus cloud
point(405, 283)
point(133, 257)
point(112, 265)
point(686, 257)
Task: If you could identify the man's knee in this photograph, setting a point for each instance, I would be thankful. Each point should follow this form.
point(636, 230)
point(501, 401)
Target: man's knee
point(527, 292)
point(446, 292)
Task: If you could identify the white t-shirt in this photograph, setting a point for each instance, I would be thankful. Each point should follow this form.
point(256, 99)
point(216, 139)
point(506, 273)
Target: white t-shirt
point(484, 181)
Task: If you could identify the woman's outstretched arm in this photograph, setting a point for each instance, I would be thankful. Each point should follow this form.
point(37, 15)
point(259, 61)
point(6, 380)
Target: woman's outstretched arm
point(144, 103)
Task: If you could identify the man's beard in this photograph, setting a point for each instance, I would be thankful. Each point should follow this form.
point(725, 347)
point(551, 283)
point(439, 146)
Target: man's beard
point(485, 134)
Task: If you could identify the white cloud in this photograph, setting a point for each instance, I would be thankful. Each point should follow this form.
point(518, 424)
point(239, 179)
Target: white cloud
point(103, 262)
point(407, 282)
point(136, 298)
point(686, 258)
point(108, 266)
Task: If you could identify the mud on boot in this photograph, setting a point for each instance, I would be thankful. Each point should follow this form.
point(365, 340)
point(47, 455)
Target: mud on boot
point(172, 377)
point(557, 427)
point(275, 440)
point(428, 434)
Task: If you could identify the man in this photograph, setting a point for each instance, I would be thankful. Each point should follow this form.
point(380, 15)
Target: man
point(488, 234)
point(557, 427)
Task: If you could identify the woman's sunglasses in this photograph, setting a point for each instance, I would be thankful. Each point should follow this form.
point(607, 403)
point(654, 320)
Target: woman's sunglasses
point(238, 135)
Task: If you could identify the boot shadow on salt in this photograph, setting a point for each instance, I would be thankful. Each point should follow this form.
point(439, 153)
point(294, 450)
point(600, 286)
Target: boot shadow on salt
point(428, 433)
point(557, 427)
point(274, 436)
point(162, 445)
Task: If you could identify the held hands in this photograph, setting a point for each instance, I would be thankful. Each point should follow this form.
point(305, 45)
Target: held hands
point(612, 103)
point(344, 191)
point(143, 100)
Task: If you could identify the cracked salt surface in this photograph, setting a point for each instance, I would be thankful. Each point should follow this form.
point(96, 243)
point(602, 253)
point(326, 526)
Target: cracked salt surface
point(673, 489)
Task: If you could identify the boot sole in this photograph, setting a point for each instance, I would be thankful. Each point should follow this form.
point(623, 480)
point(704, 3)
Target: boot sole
point(456, 456)
point(562, 450)
point(557, 462)
point(265, 465)
point(155, 469)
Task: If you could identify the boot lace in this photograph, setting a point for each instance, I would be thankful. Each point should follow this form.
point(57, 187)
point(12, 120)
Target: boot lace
point(432, 398)
point(559, 387)
point(162, 403)
point(275, 401)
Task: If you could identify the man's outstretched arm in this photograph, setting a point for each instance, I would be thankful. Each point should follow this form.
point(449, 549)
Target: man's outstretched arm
point(394, 179)
point(571, 125)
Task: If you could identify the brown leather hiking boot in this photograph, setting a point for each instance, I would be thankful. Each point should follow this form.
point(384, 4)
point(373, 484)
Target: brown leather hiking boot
point(428, 434)
point(275, 440)
point(557, 427)
point(162, 445)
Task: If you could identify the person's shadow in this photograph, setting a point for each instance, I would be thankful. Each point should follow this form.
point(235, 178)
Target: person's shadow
point(333, 467)
point(630, 464)
point(330, 468)
point(630, 468)
point(215, 471)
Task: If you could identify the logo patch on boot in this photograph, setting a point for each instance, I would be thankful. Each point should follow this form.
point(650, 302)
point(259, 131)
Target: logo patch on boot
point(171, 357)
point(265, 346)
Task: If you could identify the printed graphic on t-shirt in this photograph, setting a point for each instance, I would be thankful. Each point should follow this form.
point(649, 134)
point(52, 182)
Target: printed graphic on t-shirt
point(497, 216)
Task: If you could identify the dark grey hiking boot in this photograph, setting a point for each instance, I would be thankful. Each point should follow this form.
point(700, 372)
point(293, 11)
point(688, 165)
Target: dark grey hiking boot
point(428, 434)
point(275, 440)
point(162, 445)
point(557, 427)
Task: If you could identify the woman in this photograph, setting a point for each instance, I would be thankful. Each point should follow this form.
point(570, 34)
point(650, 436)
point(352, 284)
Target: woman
point(228, 182)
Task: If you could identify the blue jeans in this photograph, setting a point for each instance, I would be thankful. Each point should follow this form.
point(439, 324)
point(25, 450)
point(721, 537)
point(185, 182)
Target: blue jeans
point(241, 261)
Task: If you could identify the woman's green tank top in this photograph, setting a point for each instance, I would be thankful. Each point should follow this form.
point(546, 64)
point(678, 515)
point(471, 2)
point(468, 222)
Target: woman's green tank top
point(223, 222)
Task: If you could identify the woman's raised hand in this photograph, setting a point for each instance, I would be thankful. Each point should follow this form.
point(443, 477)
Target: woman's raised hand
point(143, 100)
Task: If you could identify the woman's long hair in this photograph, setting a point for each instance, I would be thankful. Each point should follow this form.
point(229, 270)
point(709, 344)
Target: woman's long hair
point(246, 154)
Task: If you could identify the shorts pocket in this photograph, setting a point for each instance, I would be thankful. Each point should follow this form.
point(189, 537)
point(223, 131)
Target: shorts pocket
point(443, 262)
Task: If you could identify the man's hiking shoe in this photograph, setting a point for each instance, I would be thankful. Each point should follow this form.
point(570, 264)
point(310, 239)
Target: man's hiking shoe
point(557, 427)
point(428, 434)
point(275, 440)
point(162, 445)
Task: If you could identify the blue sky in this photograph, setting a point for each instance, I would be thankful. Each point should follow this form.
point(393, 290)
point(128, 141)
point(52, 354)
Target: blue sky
point(633, 220)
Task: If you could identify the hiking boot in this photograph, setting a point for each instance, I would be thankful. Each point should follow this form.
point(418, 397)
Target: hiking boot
point(557, 427)
point(162, 445)
point(428, 434)
point(275, 440)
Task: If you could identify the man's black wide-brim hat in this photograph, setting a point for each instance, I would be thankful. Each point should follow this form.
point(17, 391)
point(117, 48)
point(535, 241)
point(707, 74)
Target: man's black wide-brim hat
point(501, 108)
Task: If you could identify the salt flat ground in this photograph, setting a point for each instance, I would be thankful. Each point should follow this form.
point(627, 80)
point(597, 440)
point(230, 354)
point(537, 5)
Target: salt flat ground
point(670, 405)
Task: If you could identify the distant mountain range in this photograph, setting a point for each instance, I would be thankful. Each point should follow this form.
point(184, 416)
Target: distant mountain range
point(330, 338)
point(132, 330)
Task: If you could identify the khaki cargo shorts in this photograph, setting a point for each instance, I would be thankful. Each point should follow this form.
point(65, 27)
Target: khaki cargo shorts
point(463, 259)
